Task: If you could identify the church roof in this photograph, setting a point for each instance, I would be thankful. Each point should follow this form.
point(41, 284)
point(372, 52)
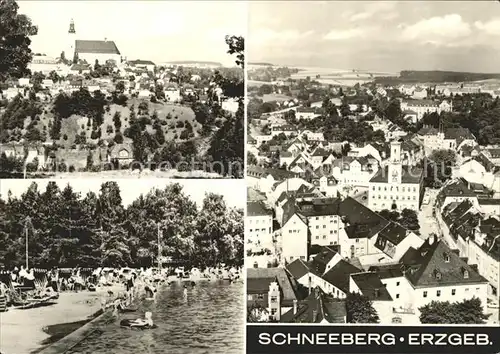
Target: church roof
point(96, 47)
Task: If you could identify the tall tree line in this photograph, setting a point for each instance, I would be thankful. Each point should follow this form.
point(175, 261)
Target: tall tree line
point(67, 229)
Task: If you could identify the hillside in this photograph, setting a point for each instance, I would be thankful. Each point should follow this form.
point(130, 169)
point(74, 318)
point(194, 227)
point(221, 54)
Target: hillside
point(173, 120)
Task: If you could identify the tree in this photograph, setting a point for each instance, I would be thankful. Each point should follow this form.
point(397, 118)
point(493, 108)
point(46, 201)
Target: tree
point(251, 159)
point(441, 163)
point(409, 219)
point(237, 46)
point(360, 309)
point(465, 312)
point(15, 52)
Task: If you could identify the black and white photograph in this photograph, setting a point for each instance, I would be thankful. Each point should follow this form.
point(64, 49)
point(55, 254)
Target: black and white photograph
point(122, 89)
point(373, 154)
point(117, 266)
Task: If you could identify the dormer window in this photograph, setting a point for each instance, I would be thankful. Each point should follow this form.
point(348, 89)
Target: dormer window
point(446, 257)
point(466, 274)
point(437, 274)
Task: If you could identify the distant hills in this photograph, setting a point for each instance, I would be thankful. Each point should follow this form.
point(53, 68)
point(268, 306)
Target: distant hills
point(413, 76)
point(260, 64)
point(177, 62)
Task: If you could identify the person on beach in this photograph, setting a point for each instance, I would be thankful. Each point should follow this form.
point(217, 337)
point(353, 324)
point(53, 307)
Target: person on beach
point(29, 279)
point(185, 291)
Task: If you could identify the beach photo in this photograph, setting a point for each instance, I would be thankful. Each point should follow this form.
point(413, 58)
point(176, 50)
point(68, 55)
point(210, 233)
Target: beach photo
point(121, 266)
point(122, 89)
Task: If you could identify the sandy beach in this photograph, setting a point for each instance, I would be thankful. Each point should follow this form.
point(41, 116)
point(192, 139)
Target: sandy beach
point(21, 331)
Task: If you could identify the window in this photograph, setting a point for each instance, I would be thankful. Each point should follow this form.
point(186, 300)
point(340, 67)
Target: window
point(331, 232)
point(260, 296)
point(453, 291)
point(317, 237)
point(302, 257)
point(317, 217)
point(250, 230)
point(425, 293)
point(317, 226)
point(397, 283)
point(438, 293)
point(324, 226)
point(335, 231)
point(466, 274)
point(274, 299)
point(324, 237)
point(357, 240)
point(397, 296)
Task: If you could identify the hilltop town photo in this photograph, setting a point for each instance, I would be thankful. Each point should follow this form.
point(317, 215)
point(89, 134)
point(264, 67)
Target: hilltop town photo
point(373, 190)
point(86, 97)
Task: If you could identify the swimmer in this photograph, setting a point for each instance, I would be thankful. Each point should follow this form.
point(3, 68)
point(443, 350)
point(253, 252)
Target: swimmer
point(193, 284)
point(147, 321)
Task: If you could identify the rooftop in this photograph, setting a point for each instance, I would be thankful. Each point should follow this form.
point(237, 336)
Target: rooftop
point(257, 209)
point(371, 286)
point(96, 47)
point(435, 264)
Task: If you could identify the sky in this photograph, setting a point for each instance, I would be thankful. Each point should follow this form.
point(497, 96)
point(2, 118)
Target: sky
point(386, 36)
point(234, 191)
point(150, 30)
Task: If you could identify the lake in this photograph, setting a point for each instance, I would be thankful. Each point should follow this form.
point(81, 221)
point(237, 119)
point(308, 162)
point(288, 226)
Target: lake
point(210, 320)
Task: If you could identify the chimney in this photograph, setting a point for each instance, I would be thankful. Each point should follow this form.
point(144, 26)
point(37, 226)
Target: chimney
point(295, 305)
point(309, 285)
point(315, 316)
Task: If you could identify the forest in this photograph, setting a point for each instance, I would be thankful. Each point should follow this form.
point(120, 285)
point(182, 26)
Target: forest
point(67, 229)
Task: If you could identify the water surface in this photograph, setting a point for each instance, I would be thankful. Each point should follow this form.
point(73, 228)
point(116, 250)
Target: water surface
point(209, 321)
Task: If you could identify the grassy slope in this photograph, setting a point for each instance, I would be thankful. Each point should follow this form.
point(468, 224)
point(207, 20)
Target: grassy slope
point(72, 126)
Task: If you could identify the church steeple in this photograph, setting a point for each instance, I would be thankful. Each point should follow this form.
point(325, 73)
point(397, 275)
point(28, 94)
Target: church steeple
point(72, 27)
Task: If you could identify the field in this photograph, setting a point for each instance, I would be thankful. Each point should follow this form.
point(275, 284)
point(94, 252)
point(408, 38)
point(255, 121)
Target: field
point(275, 97)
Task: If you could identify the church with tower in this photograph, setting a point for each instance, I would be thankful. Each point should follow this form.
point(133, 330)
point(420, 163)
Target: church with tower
point(90, 50)
point(396, 187)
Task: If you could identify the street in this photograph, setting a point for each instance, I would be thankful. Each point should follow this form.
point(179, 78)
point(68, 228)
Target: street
point(429, 223)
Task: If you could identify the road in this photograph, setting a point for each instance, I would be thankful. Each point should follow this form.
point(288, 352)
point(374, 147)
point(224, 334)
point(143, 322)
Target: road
point(429, 223)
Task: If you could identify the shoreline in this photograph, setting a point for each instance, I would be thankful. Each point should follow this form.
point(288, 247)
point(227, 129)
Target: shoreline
point(34, 330)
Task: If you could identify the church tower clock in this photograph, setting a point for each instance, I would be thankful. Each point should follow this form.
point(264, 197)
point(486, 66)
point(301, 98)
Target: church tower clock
point(395, 165)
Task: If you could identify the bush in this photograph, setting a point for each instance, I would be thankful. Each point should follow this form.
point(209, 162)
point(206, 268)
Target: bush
point(184, 135)
point(179, 124)
point(65, 137)
point(109, 129)
point(118, 138)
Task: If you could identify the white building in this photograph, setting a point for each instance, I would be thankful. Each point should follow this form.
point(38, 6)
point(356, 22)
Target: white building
point(258, 227)
point(420, 107)
point(436, 273)
point(396, 186)
point(172, 94)
point(90, 50)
